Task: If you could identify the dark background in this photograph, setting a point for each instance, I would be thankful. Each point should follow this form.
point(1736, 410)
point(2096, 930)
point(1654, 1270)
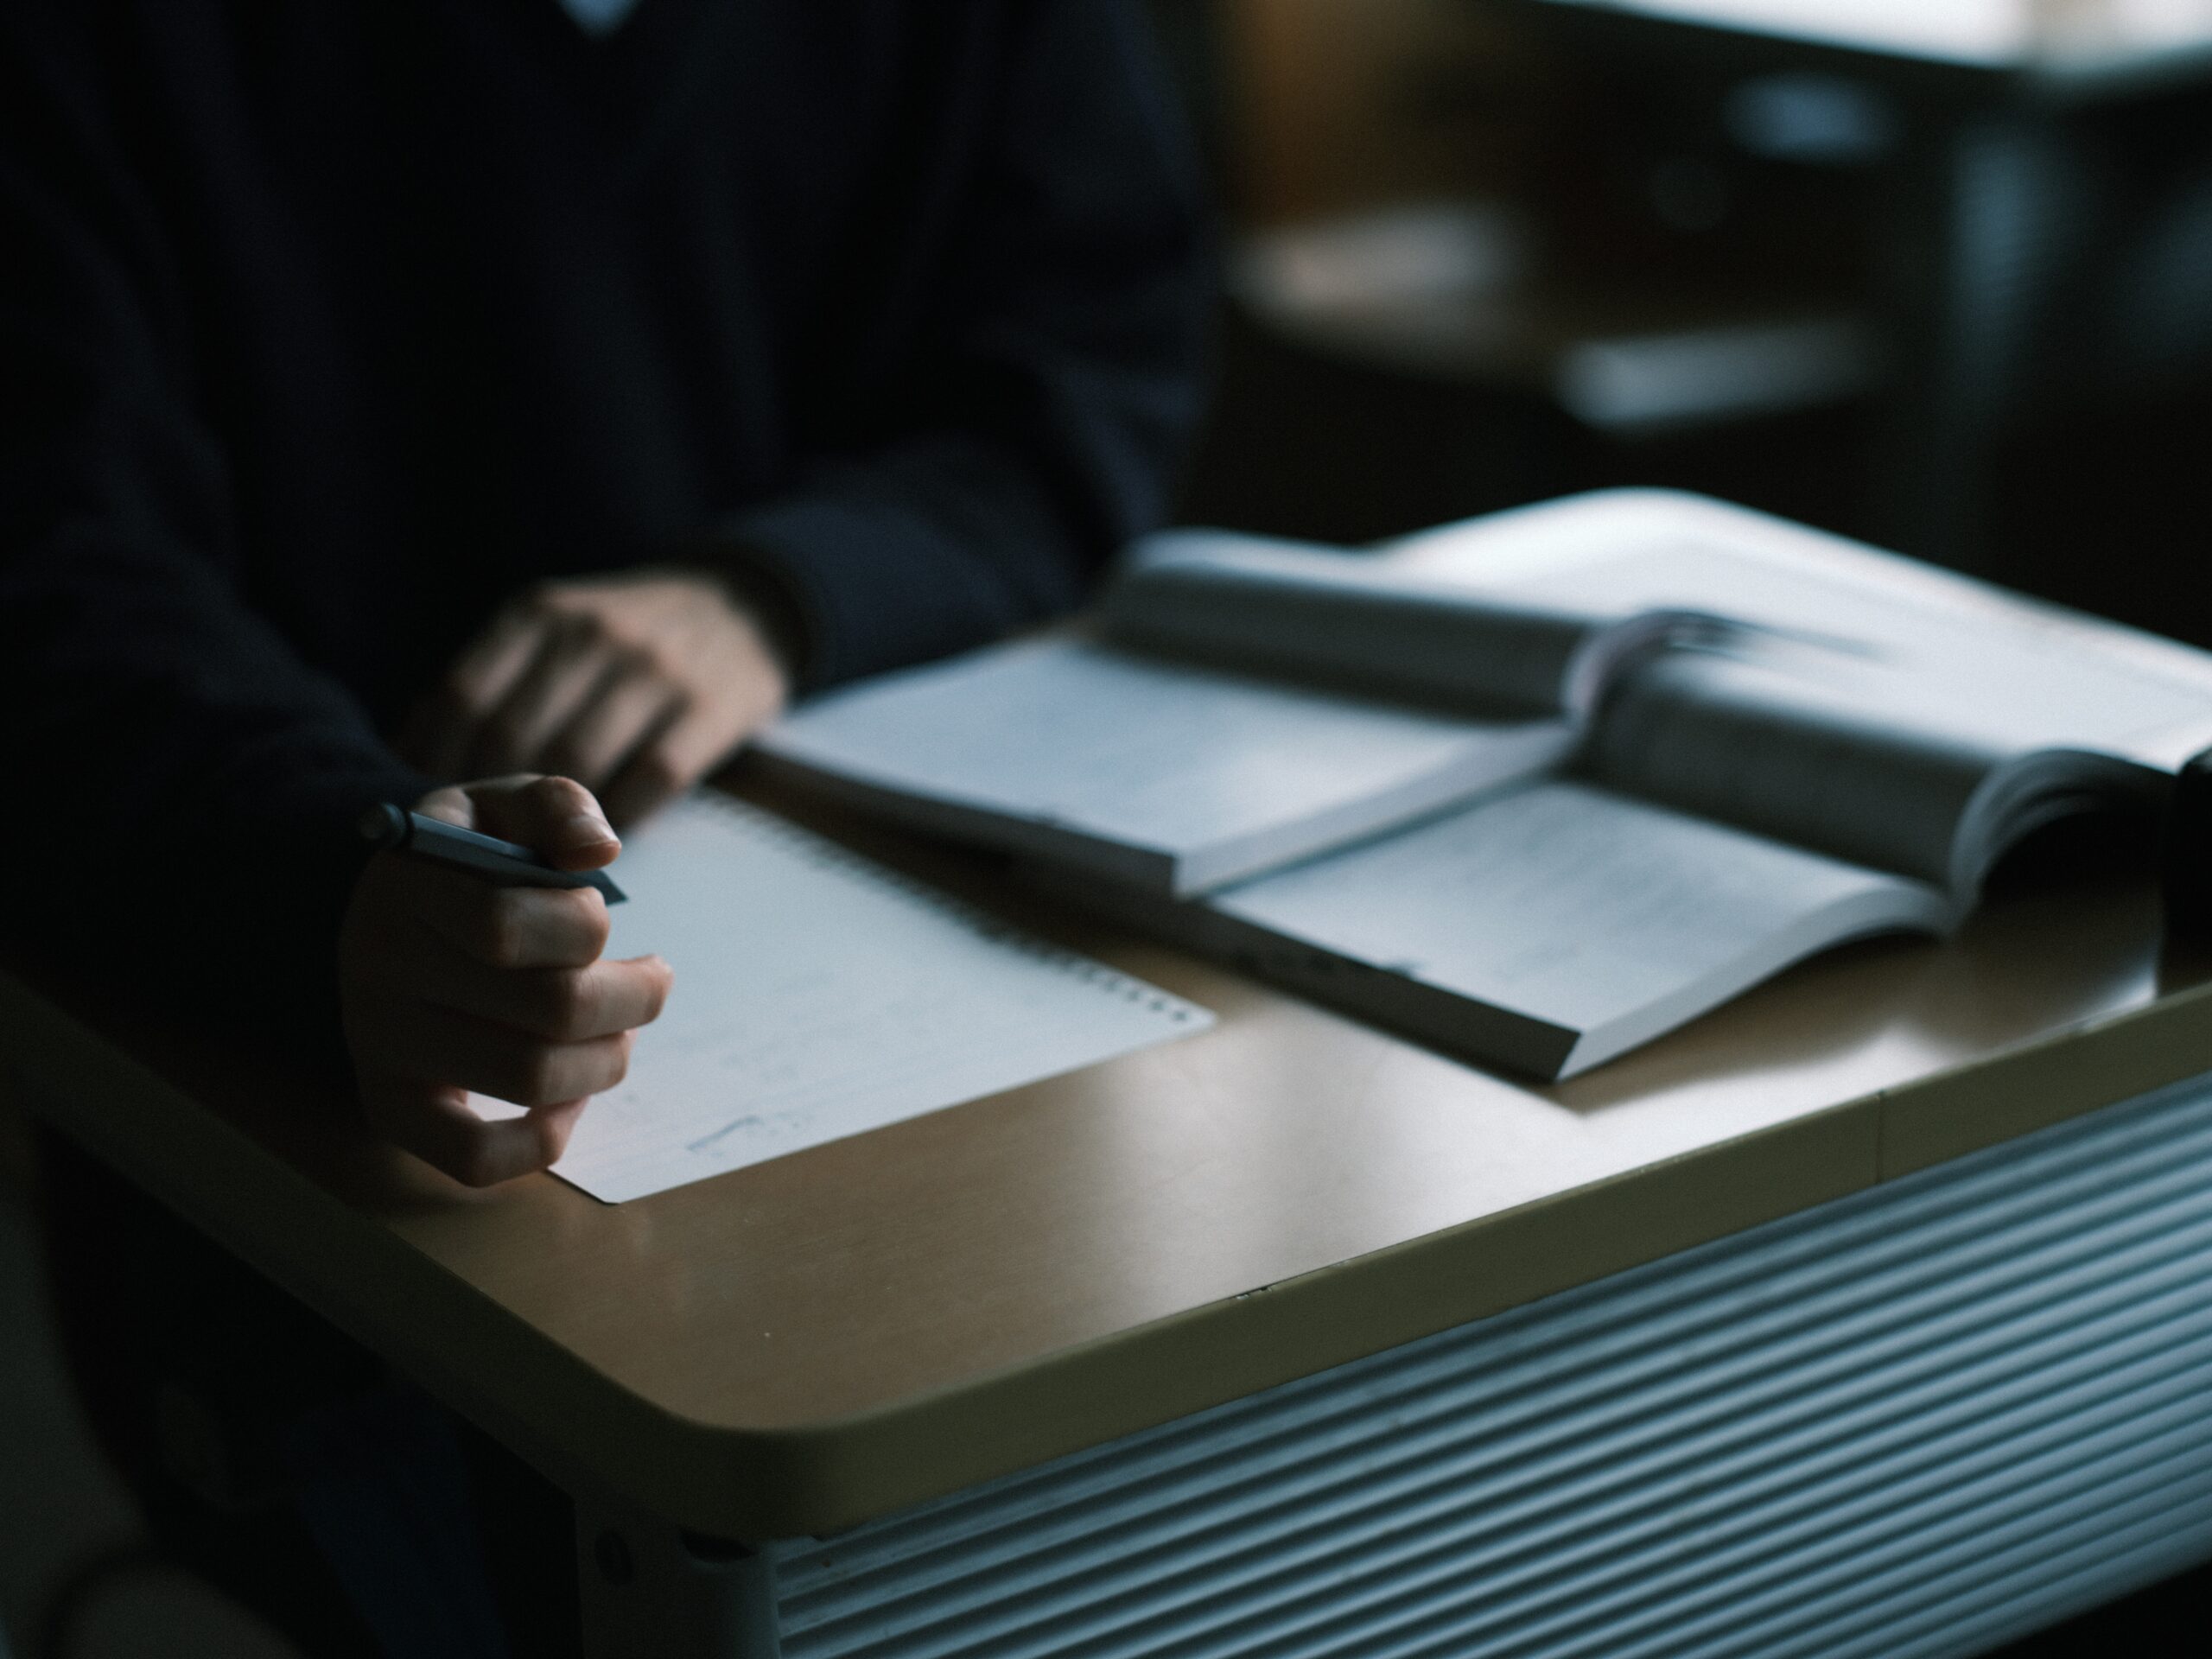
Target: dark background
point(1636, 188)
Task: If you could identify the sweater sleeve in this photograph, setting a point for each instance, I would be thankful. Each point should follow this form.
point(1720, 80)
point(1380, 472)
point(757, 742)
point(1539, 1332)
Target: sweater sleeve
point(1047, 392)
point(183, 784)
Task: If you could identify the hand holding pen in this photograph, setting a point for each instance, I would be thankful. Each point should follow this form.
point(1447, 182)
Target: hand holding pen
point(472, 965)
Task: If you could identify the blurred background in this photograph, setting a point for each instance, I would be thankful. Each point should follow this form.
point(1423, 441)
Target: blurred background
point(1936, 273)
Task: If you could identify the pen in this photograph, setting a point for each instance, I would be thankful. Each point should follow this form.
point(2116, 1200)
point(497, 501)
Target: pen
point(504, 863)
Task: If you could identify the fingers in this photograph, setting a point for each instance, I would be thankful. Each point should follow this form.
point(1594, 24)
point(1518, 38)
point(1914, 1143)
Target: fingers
point(690, 744)
point(664, 767)
point(571, 659)
point(508, 928)
point(446, 722)
point(429, 1026)
point(429, 1044)
point(454, 804)
point(499, 708)
point(505, 928)
point(560, 1005)
point(413, 1006)
point(617, 718)
point(640, 683)
point(556, 817)
point(434, 1122)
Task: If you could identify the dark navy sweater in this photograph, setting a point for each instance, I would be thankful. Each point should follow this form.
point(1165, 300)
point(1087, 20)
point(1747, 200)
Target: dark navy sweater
point(325, 327)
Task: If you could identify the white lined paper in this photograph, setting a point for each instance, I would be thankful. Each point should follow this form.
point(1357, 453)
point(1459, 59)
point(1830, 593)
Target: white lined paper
point(819, 996)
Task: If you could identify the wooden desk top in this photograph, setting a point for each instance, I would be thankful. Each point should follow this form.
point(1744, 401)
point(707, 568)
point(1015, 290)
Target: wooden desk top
point(798, 1346)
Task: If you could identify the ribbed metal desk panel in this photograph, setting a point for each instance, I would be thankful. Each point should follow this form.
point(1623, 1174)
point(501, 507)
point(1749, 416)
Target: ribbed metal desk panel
point(1916, 1421)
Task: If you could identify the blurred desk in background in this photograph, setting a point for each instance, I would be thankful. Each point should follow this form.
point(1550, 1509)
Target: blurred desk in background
point(1843, 1320)
point(1441, 290)
point(2046, 179)
point(2068, 47)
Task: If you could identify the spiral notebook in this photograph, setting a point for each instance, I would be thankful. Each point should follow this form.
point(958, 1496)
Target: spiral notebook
point(819, 996)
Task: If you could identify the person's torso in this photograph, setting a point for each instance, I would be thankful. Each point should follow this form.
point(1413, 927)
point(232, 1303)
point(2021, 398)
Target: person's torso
point(476, 298)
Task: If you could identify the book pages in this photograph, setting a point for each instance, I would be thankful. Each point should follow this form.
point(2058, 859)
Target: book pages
point(1163, 774)
point(1591, 922)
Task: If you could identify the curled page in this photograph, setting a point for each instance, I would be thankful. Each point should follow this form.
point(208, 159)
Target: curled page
point(1360, 623)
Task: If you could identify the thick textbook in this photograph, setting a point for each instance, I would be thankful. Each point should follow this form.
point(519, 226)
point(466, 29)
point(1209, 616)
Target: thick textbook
point(1676, 746)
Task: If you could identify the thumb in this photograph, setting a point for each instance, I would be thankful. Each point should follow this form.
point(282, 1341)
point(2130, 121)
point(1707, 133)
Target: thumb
point(556, 818)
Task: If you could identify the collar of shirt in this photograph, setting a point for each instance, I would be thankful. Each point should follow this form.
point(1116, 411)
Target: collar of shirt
point(598, 17)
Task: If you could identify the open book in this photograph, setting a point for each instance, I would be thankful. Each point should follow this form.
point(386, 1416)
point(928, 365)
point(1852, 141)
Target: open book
point(1695, 743)
point(1234, 704)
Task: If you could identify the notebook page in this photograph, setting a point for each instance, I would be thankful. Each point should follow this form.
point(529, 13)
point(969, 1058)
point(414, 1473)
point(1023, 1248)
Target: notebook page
point(819, 996)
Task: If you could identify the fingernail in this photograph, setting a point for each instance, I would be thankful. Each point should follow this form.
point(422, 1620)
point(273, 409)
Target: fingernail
point(590, 827)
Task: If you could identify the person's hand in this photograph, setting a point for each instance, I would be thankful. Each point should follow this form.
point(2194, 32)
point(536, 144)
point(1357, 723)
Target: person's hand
point(636, 685)
point(450, 987)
